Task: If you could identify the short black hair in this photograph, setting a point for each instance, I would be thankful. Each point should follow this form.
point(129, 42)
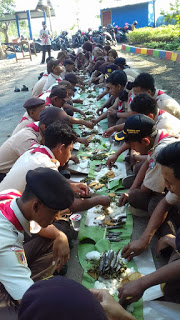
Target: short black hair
point(48, 59)
point(169, 157)
point(117, 77)
point(144, 103)
point(113, 52)
point(107, 48)
point(57, 133)
point(144, 81)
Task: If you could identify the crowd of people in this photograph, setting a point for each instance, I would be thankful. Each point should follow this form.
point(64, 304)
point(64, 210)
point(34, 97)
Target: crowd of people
point(36, 189)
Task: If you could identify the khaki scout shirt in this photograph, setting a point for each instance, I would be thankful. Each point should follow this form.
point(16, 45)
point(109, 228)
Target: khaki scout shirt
point(165, 120)
point(26, 119)
point(153, 179)
point(14, 272)
point(38, 87)
point(167, 103)
point(16, 145)
point(16, 177)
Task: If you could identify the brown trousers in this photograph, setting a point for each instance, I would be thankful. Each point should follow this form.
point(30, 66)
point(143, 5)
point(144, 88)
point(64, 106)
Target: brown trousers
point(148, 202)
point(114, 121)
point(39, 258)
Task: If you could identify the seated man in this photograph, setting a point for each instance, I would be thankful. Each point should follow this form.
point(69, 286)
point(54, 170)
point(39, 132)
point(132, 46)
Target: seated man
point(46, 192)
point(144, 104)
point(59, 139)
point(168, 158)
point(20, 142)
point(54, 69)
point(69, 65)
point(33, 107)
point(121, 63)
point(141, 134)
point(38, 87)
point(116, 82)
point(145, 83)
point(57, 99)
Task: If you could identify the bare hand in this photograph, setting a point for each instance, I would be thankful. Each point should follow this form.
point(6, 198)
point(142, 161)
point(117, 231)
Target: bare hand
point(123, 199)
point(61, 251)
point(94, 121)
point(111, 307)
point(99, 97)
point(82, 113)
point(84, 141)
point(104, 201)
point(74, 158)
point(90, 124)
point(166, 241)
point(131, 291)
point(107, 133)
point(111, 161)
point(99, 111)
point(133, 248)
point(80, 188)
point(78, 101)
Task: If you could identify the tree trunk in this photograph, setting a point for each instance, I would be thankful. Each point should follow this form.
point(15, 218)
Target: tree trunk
point(2, 54)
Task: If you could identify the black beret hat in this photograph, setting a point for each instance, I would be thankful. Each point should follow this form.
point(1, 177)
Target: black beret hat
point(52, 114)
point(71, 77)
point(60, 298)
point(59, 92)
point(33, 102)
point(51, 188)
point(65, 84)
point(68, 61)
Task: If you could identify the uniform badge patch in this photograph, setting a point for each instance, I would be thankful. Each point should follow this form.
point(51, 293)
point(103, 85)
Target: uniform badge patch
point(152, 163)
point(21, 258)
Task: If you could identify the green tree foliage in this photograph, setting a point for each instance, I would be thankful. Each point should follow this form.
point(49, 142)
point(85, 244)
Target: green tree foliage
point(6, 6)
point(174, 13)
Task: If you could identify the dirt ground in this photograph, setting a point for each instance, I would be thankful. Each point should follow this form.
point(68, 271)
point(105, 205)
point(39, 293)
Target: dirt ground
point(166, 74)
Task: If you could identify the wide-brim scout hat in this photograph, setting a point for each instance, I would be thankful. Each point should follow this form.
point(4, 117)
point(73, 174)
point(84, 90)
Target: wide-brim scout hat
point(50, 187)
point(137, 127)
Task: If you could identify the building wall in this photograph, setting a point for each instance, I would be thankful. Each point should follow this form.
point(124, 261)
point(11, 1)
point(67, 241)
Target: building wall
point(121, 15)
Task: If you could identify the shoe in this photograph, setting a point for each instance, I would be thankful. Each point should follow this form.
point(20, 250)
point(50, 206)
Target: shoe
point(17, 89)
point(137, 212)
point(24, 88)
point(128, 181)
point(42, 62)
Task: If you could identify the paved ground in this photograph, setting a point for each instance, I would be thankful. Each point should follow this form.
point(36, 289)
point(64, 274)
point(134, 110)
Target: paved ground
point(13, 74)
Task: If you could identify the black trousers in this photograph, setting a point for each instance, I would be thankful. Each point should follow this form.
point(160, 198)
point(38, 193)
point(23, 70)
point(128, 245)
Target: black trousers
point(44, 49)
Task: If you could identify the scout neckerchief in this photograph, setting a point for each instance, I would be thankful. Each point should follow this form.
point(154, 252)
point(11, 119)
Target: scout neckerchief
point(164, 134)
point(42, 150)
point(48, 101)
point(33, 126)
point(23, 118)
point(159, 94)
point(6, 210)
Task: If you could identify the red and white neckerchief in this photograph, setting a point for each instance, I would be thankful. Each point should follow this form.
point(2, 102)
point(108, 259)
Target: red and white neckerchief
point(160, 92)
point(6, 210)
point(33, 126)
point(41, 150)
point(120, 107)
point(23, 118)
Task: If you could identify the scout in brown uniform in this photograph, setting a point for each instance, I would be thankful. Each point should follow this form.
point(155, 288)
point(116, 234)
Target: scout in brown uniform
point(145, 83)
point(168, 158)
point(21, 263)
point(20, 142)
point(141, 134)
point(33, 107)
